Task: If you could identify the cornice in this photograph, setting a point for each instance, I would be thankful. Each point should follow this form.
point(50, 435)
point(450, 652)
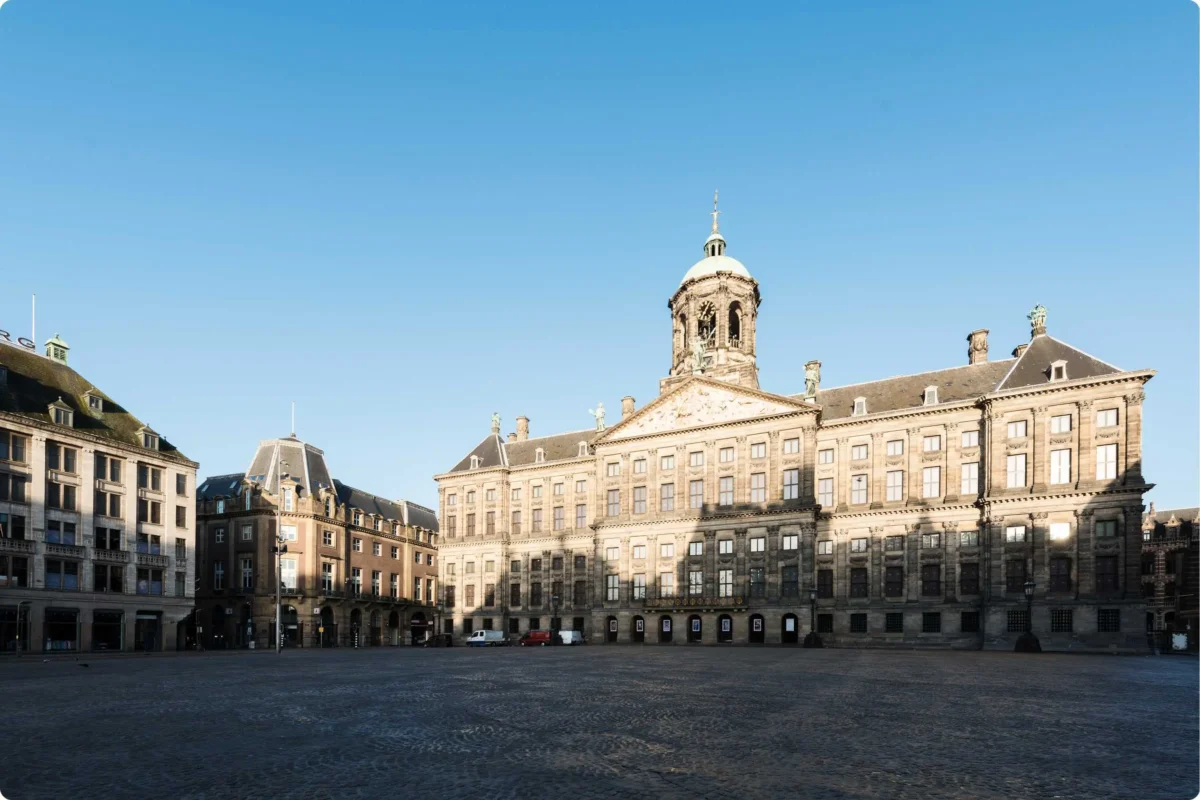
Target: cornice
point(904, 511)
point(107, 443)
point(805, 511)
point(915, 411)
point(1075, 493)
point(711, 426)
point(1140, 376)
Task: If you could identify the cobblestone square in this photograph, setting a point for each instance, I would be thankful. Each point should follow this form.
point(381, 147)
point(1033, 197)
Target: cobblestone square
point(601, 722)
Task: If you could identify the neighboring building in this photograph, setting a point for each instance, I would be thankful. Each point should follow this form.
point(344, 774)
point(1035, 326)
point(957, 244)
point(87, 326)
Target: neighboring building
point(1171, 574)
point(359, 569)
point(96, 519)
point(914, 508)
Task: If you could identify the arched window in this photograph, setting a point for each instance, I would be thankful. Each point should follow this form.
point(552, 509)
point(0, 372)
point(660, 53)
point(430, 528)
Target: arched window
point(684, 331)
point(706, 323)
point(735, 326)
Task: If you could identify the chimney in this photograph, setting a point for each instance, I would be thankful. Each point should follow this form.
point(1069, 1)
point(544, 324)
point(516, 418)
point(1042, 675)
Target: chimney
point(977, 347)
point(1019, 349)
point(627, 407)
point(522, 428)
point(512, 437)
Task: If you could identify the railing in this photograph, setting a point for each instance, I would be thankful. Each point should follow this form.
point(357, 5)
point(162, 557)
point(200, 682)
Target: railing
point(71, 550)
point(695, 601)
point(290, 591)
point(113, 556)
point(17, 545)
point(333, 594)
point(151, 560)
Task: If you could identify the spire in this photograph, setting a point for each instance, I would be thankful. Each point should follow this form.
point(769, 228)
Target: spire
point(715, 212)
point(714, 245)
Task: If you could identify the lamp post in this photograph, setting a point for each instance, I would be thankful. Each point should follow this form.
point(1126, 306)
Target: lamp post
point(553, 619)
point(1027, 642)
point(813, 639)
point(279, 549)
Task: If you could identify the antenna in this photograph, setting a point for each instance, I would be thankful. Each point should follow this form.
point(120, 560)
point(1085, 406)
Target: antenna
point(34, 331)
point(293, 419)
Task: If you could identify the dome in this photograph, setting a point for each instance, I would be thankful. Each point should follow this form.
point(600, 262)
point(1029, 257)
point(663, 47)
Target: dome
point(714, 264)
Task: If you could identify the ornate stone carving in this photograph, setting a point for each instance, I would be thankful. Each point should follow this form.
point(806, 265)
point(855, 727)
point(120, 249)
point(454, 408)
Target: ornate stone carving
point(702, 404)
point(1040, 515)
point(1136, 398)
point(951, 527)
point(1085, 405)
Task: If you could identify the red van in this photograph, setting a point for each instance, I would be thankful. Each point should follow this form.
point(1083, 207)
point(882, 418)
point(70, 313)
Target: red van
point(535, 638)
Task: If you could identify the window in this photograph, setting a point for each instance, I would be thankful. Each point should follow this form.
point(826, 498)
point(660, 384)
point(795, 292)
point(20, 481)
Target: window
point(895, 447)
point(612, 554)
point(695, 548)
point(489, 566)
point(1062, 620)
point(858, 582)
point(931, 580)
point(558, 490)
point(581, 516)
point(858, 452)
point(824, 623)
point(757, 450)
point(893, 544)
point(931, 444)
point(1060, 466)
point(535, 565)
point(556, 563)
point(614, 502)
point(789, 583)
point(931, 482)
point(219, 535)
point(537, 520)
point(110, 539)
point(639, 499)
point(725, 495)
point(580, 486)
point(666, 497)
point(858, 489)
point(893, 581)
point(696, 459)
point(860, 545)
point(1017, 621)
point(356, 545)
point(725, 546)
point(1106, 462)
point(537, 491)
point(790, 447)
point(825, 491)
point(1060, 423)
point(358, 514)
point(377, 549)
point(758, 486)
point(62, 574)
point(247, 571)
point(758, 544)
point(791, 485)
point(1106, 418)
point(581, 592)
point(12, 447)
point(666, 550)
point(860, 406)
point(1060, 574)
point(825, 456)
point(1014, 576)
point(515, 525)
point(514, 595)
point(725, 583)
point(639, 586)
point(1060, 531)
point(64, 533)
point(639, 554)
point(969, 474)
point(1014, 533)
point(931, 622)
point(725, 455)
point(931, 541)
point(490, 495)
point(218, 575)
point(612, 469)
point(489, 594)
point(858, 623)
point(666, 584)
point(895, 486)
point(968, 539)
point(1016, 471)
point(696, 494)
point(535, 594)
point(696, 582)
point(893, 622)
point(1017, 429)
point(825, 548)
point(758, 582)
point(1106, 528)
point(1106, 574)
point(560, 518)
point(1108, 620)
point(452, 499)
point(825, 583)
point(451, 526)
point(970, 439)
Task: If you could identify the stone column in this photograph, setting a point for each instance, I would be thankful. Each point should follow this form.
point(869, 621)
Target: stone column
point(952, 480)
point(1041, 431)
point(1086, 471)
point(808, 467)
point(913, 459)
point(877, 485)
point(842, 489)
point(1133, 437)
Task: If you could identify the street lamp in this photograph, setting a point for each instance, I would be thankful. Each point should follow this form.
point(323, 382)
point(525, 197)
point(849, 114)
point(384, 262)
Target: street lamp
point(1027, 642)
point(279, 549)
point(813, 639)
point(553, 619)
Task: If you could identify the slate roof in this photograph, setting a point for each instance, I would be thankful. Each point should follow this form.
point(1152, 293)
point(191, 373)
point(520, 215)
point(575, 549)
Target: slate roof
point(495, 452)
point(34, 382)
point(908, 391)
point(367, 502)
point(219, 486)
point(304, 462)
point(420, 516)
point(1033, 367)
point(490, 452)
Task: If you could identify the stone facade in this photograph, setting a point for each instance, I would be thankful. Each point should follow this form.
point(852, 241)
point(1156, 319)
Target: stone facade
point(909, 511)
point(96, 519)
point(1171, 575)
point(359, 570)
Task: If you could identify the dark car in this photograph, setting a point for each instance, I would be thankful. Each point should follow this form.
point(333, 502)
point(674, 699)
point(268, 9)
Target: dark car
point(438, 640)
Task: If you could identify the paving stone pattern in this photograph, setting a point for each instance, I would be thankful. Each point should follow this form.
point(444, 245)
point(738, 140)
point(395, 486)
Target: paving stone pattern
point(601, 722)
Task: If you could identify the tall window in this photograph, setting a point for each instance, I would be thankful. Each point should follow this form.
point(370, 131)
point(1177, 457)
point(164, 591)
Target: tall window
point(489, 522)
point(931, 482)
point(825, 491)
point(1106, 462)
point(758, 582)
point(858, 582)
point(247, 569)
point(969, 478)
point(758, 487)
point(1060, 574)
point(581, 516)
point(218, 575)
point(931, 580)
point(791, 484)
point(1106, 574)
point(725, 497)
point(696, 494)
point(825, 583)
point(470, 524)
point(789, 584)
point(895, 485)
point(858, 489)
point(1016, 471)
point(666, 584)
point(893, 582)
point(968, 578)
point(614, 502)
point(639, 586)
point(326, 576)
point(666, 497)
point(696, 582)
point(639, 499)
point(1014, 576)
point(560, 518)
point(1060, 423)
point(516, 523)
point(1017, 429)
point(1060, 466)
point(895, 447)
point(537, 520)
point(725, 583)
point(612, 587)
point(581, 592)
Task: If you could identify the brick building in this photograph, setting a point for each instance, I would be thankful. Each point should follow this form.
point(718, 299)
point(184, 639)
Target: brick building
point(359, 569)
point(905, 511)
point(1171, 574)
point(96, 517)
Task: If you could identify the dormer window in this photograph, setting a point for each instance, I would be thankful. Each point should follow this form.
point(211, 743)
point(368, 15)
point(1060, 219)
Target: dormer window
point(95, 402)
point(474, 462)
point(1058, 371)
point(582, 449)
point(61, 414)
point(931, 395)
point(860, 406)
point(539, 456)
point(149, 441)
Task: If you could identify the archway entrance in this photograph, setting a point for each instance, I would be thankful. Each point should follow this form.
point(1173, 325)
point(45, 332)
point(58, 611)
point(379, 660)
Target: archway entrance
point(291, 626)
point(356, 627)
point(376, 629)
point(639, 630)
point(243, 635)
point(725, 628)
point(419, 627)
point(791, 629)
point(216, 634)
point(328, 628)
point(610, 634)
point(664, 629)
point(394, 628)
point(695, 628)
point(758, 630)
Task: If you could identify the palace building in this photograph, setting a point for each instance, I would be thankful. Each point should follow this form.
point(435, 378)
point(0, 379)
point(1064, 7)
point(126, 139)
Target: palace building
point(359, 570)
point(96, 518)
point(907, 511)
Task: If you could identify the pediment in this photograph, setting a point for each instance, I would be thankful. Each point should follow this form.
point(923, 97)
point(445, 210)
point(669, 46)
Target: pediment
point(702, 402)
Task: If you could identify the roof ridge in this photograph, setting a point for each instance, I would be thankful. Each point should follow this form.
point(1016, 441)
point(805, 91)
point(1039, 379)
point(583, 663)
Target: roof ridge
point(548, 436)
point(896, 377)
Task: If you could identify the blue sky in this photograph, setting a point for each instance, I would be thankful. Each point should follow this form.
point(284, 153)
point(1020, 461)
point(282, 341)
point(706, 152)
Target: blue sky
point(407, 216)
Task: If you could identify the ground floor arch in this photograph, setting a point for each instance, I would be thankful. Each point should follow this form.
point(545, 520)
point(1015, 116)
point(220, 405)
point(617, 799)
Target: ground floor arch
point(376, 629)
point(664, 628)
point(695, 628)
point(790, 629)
point(216, 631)
point(394, 628)
point(638, 630)
point(724, 628)
point(758, 629)
point(327, 629)
point(356, 627)
point(419, 627)
point(610, 629)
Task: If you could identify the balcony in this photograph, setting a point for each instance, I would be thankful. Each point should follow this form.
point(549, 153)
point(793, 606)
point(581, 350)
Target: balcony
point(684, 601)
point(110, 556)
point(151, 560)
point(68, 550)
point(333, 594)
point(16, 545)
point(290, 591)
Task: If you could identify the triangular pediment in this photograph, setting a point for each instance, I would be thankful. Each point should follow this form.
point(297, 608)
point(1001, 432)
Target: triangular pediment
point(701, 402)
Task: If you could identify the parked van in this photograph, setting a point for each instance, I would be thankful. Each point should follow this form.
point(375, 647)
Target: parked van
point(536, 639)
point(571, 637)
point(486, 639)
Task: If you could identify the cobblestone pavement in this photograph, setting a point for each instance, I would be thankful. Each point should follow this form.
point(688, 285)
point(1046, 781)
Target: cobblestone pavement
point(601, 722)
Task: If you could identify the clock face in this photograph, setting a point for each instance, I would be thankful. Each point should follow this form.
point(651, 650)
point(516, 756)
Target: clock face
point(707, 310)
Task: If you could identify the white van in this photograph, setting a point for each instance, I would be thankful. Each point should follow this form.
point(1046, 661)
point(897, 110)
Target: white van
point(571, 637)
point(486, 639)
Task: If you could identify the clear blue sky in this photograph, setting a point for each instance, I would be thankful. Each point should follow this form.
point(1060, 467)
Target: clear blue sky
point(406, 216)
